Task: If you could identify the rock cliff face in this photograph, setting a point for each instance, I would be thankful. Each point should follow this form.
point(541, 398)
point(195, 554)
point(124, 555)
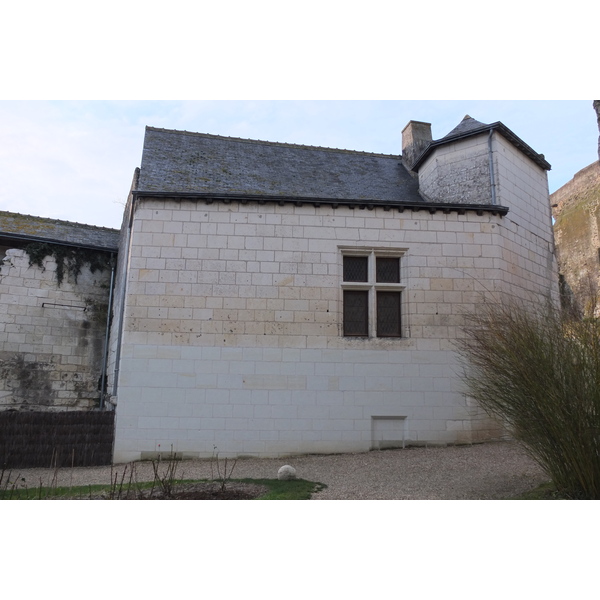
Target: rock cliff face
point(576, 210)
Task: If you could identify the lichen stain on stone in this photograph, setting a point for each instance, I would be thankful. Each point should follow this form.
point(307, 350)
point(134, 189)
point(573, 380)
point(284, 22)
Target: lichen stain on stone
point(98, 310)
point(84, 333)
point(29, 381)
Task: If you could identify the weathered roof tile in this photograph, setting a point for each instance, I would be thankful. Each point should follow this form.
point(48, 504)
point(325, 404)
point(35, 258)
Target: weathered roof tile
point(180, 162)
point(25, 227)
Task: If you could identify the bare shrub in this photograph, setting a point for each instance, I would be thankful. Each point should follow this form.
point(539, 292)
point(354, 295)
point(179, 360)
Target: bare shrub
point(223, 476)
point(165, 481)
point(538, 370)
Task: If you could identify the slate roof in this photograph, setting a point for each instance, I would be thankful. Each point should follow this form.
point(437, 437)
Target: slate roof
point(467, 126)
point(14, 226)
point(180, 163)
point(470, 126)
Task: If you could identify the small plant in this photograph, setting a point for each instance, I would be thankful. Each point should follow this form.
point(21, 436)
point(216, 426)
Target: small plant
point(223, 476)
point(116, 490)
point(166, 481)
point(68, 260)
point(8, 488)
point(55, 470)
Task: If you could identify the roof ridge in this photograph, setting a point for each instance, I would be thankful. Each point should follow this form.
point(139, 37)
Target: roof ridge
point(268, 143)
point(466, 125)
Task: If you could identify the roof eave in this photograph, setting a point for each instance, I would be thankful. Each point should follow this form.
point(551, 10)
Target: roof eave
point(369, 204)
point(23, 237)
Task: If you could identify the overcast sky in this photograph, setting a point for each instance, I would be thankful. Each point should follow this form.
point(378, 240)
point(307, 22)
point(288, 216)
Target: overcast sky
point(73, 157)
point(74, 160)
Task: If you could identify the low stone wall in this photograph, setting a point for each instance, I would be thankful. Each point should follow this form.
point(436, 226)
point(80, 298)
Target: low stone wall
point(63, 439)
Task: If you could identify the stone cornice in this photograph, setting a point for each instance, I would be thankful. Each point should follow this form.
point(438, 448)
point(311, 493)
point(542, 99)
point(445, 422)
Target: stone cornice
point(361, 204)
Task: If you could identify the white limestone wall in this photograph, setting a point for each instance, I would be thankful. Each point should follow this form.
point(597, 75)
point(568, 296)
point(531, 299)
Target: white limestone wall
point(528, 253)
point(458, 172)
point(51, 337)
point(232, 332)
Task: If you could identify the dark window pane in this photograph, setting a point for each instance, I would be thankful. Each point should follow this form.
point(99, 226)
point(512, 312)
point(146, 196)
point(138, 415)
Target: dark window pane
point(356, 268)
point(388, 269)
point(388, 314)
point(356, 313)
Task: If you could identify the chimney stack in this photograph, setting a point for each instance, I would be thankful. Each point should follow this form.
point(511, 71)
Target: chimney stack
point(415, 138)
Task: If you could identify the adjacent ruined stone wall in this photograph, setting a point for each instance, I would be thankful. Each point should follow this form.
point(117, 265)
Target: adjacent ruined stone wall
point(576, 210)
point(51, 335)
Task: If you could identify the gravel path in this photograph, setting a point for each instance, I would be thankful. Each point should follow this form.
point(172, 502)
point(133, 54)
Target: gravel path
point(483, 471)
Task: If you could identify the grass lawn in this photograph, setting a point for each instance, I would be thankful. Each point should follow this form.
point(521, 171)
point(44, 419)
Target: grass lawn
point(297, 489)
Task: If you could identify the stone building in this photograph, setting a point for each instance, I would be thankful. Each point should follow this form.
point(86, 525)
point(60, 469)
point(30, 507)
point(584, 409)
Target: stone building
point(269, 299)
point(54, 293)
point(274, 299)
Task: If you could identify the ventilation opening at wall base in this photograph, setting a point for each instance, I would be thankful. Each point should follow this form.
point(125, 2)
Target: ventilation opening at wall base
point(388, 431)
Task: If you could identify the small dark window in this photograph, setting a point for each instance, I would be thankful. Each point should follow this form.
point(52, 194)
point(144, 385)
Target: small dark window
point(388, 270)
point(356, 313)
point(372, 294)
point(388, 314)
point(356, 268)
